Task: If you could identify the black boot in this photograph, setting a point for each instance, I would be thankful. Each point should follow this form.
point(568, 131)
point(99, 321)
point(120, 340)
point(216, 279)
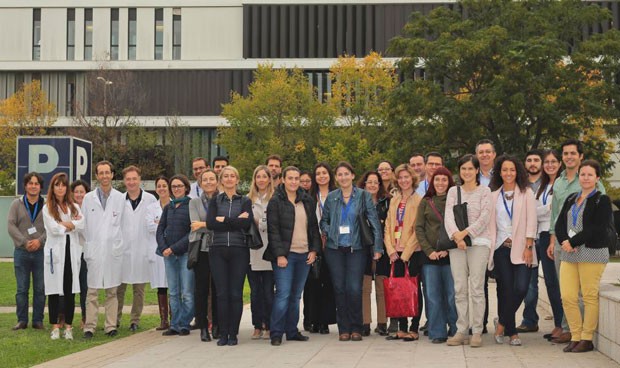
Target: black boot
point(366, 330)
point(204, 334)
point(382, 329)
point(215, 331)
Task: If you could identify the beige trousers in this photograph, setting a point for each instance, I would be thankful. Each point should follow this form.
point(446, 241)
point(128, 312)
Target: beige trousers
point(379, 297)
point(468, 270)
point(92, 309)
point(136, 306)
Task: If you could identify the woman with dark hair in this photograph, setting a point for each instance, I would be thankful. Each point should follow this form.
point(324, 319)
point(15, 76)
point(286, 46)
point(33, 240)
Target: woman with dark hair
point(260, 274)
point(294, 242)
point(440, 302)
point(79, 188)
point(513, 230)
point(581, 230)
point(319, 303)
point(386, 170)
point(198, 208)
point(552, 167)
point(344, 251)
point(230, 216)
point(158, 269)
point(305, 181)
point(62, 219)
point(469, 263)
point(377, 270)
point(172, 244)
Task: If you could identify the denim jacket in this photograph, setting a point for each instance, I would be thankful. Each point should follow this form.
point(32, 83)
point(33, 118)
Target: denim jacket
point(332, 210)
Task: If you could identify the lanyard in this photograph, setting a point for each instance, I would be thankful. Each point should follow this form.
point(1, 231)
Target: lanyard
point(425, 186)
point(197, 191)
point(400, 214)
point(205, 204)
point(344, 215)
point(509, 211)
point(321, 205)
point(32, 215)
point(575, 210)
point(545, 195)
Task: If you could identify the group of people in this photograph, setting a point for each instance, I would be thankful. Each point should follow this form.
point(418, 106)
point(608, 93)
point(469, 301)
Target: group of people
point(325, 236)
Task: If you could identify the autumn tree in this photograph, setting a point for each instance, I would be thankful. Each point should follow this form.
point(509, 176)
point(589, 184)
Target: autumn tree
point(26, 113)
point(280, 115)
point(519, 72)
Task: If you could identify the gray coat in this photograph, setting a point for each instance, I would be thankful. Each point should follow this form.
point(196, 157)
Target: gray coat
point(197, 212)
point(19, 223)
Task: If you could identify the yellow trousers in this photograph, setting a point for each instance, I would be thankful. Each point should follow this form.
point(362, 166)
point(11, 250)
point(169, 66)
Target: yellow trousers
point(584, 277)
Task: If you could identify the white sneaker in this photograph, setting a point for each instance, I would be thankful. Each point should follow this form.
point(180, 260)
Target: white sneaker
point(69, 334)
point(55, 335)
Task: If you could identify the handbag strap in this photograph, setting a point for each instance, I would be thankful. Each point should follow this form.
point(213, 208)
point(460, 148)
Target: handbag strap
point(458, 191)
point(406, 269)
point(430, 203)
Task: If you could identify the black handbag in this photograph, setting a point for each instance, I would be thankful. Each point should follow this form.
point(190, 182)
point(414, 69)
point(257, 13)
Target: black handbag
point(366, 236)
point(192, 252)
point(315, 269)
point(252, 237)
point(443, 242)
point(460, 216)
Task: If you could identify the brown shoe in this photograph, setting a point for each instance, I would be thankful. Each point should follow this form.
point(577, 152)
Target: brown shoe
point(569, 348)
point(344, 337)
point(583, 346)
point(525, 329)
point(38, 326)
point(356, 336)
point(563, 338)
point(20, 326)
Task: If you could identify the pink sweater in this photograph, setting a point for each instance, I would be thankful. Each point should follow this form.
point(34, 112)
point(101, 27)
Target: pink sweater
point(478, 213)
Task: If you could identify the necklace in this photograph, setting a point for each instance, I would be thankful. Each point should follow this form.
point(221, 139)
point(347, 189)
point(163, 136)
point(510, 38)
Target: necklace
point(509, 196)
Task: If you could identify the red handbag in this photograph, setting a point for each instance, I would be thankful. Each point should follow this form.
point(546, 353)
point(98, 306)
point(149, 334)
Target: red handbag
point(401, 294)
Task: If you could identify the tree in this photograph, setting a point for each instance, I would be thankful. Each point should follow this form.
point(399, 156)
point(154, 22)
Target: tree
point(280, 115)
point(27, 112)
point(518, 72)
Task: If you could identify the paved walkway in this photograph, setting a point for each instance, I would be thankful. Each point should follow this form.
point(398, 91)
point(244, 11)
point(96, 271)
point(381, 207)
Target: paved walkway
point(150, 349)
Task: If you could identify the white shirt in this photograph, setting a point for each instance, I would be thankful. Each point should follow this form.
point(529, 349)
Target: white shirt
point(504, 223)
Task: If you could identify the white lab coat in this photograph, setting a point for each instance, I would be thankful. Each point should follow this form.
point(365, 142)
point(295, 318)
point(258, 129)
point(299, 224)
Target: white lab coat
point(136, 267)
point(55, 248)
point(103, 250)
point(158, 269)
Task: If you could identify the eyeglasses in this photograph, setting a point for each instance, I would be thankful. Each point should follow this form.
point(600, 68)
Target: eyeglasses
point(305, 181)
point(372, 182)
point(383, 169)
point(175, 187)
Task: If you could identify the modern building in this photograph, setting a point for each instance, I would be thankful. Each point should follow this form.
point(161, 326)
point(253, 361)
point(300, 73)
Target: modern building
point(184, 57)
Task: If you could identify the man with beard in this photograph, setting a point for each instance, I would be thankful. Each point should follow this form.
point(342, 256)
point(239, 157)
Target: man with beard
point(533, 166)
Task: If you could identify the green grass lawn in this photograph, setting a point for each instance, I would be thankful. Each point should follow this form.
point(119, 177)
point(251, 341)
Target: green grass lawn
point(25, 348)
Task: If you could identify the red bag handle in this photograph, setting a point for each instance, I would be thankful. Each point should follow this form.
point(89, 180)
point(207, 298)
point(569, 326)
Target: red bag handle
point(406, 269)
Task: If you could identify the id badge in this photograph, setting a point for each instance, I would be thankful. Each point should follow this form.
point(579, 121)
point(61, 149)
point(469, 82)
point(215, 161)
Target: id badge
point(32, 230)
point(397, 234)
point(344, 230)
point(571, 233)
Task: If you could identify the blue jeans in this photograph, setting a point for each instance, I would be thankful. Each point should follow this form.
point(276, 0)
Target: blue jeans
point(440, 303)
point(347, 271)
point(512, 284)
point(290, 282)
point(181, 289)
point(26, 263)
point(530, 317)
point(261, 297)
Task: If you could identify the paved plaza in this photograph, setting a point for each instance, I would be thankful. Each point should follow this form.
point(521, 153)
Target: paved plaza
point(150, 349)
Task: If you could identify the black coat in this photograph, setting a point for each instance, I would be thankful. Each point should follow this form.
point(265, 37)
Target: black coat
point(231, 232)
point(281, 221)
point(596, 215)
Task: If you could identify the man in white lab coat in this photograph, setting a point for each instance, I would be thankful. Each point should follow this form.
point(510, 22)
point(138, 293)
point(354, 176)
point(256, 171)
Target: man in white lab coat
point(136, 266)
point(103, 250)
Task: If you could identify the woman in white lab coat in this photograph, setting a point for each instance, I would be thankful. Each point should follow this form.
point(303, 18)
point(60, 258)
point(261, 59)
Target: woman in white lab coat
point(62, 252)
point(158, 270)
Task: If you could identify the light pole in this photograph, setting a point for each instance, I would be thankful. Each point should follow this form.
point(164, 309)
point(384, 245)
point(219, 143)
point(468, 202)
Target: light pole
point(106, 83)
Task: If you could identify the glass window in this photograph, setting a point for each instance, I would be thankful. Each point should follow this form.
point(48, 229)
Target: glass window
point(88, 34)
point(176, 34)
point(132, 36)
point(159, 34)
point(70, 94)
point(36, 34)
point(71, 34)
point(114, 25)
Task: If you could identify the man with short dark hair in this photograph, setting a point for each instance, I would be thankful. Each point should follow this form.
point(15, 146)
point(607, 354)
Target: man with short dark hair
point(199, 165)
point(485, 152)
point(533, 166)
point(416, 163)
point(274, 163)
point(136, 265)
point(432, 161)
point(25, 226)
point(104, 247)
point(219, 162)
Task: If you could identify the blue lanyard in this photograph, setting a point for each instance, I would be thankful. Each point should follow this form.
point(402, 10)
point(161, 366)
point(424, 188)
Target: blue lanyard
point(575, 210)
point(344, 215)
point(197, 191)
point(545, 195)
point(32, 215)
point(509, 211)
point(321, 205)
point(400, 214)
